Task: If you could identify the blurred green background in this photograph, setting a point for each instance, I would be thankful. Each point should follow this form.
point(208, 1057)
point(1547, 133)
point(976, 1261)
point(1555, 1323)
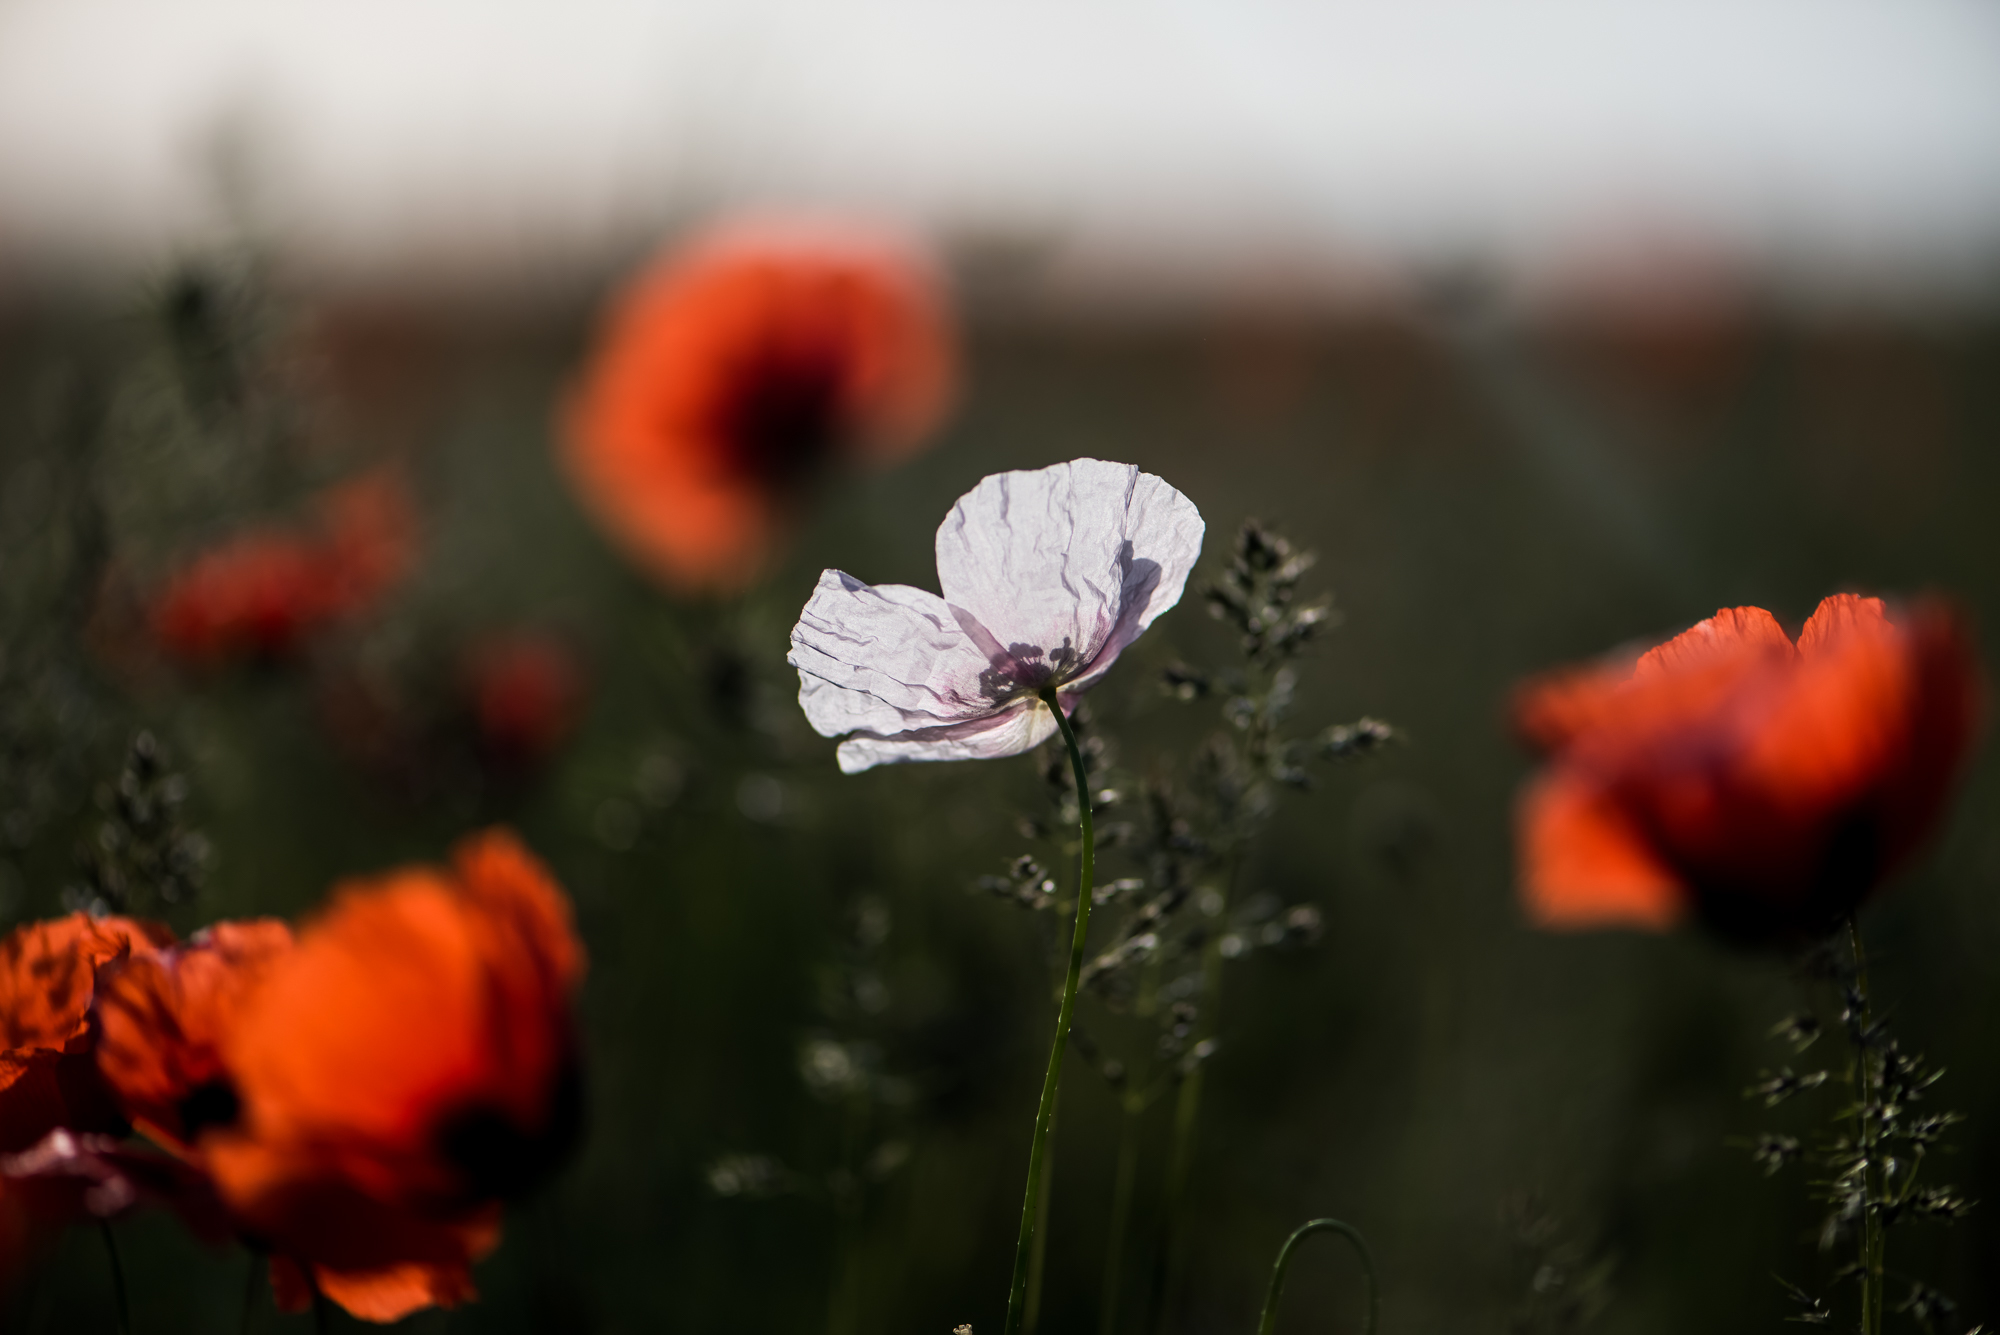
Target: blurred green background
point(1535, 1132)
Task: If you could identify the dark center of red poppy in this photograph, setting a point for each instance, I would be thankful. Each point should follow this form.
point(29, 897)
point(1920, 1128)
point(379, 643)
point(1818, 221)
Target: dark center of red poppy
point(503, 1160)
point(1849, 866)
point(779, 420)
point(211, 1104)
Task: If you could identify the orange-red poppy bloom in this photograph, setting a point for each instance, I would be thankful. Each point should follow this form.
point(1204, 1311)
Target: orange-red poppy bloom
point(364, 1096)
point(736, 370)
point(263, 593)
point(49, 978)
point(163, 1018)
point(1765, 786)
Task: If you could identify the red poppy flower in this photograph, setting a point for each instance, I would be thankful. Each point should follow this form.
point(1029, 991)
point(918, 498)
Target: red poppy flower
point(261, 594)
point(364, 1097)
point(49, 977)
point(524, 691)
point(736, 370)
point(163, 1018)
point(1766, 786)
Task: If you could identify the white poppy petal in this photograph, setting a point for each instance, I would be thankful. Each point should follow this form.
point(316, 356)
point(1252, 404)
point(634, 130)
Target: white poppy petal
point(1006, 733)
point(884, 659)
point(1078, 558)
point(1047, 576)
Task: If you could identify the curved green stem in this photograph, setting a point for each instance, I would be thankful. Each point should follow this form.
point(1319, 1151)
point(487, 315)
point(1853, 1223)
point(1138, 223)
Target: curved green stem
point(117, 1281)
point(1017, 1293)
point(1269, 1322)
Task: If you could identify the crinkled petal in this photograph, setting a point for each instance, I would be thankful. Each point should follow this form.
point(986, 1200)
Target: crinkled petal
point(1006, 733)
point(1843, 617)
point(885, 660)
point(1068, 564)
point(1732, 634)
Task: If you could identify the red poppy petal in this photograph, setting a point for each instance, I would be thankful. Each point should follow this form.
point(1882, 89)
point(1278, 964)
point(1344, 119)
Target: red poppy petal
point(1947, 708)
point(162, 1018)
point(1840, 617)
point(393, 1290)
point(394, 1293)
point(1584, 865)
point(1733, 632)
point(1554, 709)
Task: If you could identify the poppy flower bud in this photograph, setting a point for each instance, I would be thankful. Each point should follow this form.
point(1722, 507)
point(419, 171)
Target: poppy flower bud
point(1765, 786)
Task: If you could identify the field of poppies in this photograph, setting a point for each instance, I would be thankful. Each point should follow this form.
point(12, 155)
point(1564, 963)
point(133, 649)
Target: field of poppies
point(776, 795)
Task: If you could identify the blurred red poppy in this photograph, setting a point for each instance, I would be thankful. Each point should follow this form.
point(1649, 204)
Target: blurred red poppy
point(49, 977)
point(380, 1085)
point(263, 593)
point(163, 1017)
point(524, 690)
point(735, 371)
point(1766, 787)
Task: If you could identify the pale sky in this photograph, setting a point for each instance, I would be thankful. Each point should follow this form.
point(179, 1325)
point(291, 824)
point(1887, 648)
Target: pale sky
point(1181, 138)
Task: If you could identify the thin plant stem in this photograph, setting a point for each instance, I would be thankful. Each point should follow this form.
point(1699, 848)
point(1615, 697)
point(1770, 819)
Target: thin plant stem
point(1874, 1242)
point(1187, 1117)
point(117, 1280)
point(1017, 1294)
point(322, 1311)
point(1038, 1262)
point(1121, 1214)
point(1269, 1321)
point(1180, 1165)
point(249, 1295)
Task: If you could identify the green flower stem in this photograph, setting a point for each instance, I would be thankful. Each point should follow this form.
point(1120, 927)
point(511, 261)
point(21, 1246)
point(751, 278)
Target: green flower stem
point(1017, 1294)
point(1180, 1165)
point(1038, 1262)
point(117, 1280)
point(1269, 1321)
point(1874, 1240)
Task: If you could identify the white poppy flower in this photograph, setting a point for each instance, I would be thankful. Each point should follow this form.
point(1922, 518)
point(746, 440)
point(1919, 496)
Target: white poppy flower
point(1047, 576)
